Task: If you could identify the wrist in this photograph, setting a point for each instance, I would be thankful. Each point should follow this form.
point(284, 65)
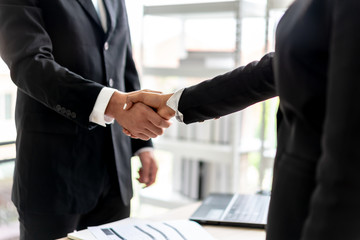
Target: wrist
point(116, 102)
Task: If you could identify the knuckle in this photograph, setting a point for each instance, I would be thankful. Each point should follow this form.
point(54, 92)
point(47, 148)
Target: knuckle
point(159, 122)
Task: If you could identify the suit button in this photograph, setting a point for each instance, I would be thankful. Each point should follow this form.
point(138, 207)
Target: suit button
point(63, 110)
point(68, 113)
point(73, 115)
point(58, 108)
point(111, 82)
point(106, 46)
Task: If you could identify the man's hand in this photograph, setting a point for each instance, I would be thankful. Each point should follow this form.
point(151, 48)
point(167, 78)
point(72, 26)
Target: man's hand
point(140, 121)
point(148, 171)
point(152, 99)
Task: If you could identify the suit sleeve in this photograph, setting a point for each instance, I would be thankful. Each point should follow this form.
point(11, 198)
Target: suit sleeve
point(26, 48)
point(334, 209)
point(230, 92)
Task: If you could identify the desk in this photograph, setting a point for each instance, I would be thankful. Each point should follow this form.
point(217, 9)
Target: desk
point(218, 232)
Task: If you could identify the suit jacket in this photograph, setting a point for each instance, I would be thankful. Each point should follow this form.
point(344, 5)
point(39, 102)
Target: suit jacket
point(60, 58)
point(316, 188)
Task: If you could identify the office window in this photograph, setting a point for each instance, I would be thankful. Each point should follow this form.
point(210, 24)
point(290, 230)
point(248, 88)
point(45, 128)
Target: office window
point(182, 44)
point(8, 106)
point(9, 227)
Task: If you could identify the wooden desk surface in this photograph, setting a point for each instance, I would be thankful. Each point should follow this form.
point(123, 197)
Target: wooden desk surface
point(218, 232)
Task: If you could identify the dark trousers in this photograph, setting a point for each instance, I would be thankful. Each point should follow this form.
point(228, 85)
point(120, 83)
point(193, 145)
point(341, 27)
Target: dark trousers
point(109, 208)
point(49, 226)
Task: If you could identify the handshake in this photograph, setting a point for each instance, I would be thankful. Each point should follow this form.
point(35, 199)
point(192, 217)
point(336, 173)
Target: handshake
point(142, 114)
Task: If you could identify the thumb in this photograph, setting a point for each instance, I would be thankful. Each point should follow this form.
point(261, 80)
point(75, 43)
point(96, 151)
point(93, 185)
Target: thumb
point(128, 105)
point(131, 99)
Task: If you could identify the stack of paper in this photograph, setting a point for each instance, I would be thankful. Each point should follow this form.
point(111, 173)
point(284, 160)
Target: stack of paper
point(168, 230)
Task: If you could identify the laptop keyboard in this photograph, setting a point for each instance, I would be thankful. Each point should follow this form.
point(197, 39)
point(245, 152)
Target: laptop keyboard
point(249, 208)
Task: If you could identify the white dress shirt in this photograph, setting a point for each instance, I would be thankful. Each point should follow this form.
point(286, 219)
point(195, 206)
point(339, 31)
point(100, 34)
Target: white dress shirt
point(173, 103)
point(98, 113)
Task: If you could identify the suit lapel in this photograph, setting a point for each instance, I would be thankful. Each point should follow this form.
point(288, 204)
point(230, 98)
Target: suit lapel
point(110, 8)
point(89, 8)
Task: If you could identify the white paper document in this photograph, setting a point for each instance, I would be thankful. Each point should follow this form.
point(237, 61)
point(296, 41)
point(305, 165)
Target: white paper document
point(168, 230)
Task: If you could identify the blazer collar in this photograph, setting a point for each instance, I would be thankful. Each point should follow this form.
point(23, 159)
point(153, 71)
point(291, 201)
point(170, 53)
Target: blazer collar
point(110, 10)
point(89, 8)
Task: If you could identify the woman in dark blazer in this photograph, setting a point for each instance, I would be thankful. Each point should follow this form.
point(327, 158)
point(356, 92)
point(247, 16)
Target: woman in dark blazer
point(316, 73)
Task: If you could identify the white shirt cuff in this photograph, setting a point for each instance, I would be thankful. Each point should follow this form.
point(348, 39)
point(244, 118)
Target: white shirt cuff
point(98, 113)
point(144, 149)
point(173, 103)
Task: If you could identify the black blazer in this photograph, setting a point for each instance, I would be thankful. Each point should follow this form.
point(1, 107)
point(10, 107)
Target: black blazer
point(60, 58)
point(316, 186)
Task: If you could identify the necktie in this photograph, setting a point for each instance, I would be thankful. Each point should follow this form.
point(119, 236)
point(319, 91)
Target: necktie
point(100, 9)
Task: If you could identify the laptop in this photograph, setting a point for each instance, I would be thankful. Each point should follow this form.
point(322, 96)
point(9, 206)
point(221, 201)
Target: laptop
point(233, 210)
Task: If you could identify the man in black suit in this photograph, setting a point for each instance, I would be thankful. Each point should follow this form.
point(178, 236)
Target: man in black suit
point(315, 73)
point(72, 63)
